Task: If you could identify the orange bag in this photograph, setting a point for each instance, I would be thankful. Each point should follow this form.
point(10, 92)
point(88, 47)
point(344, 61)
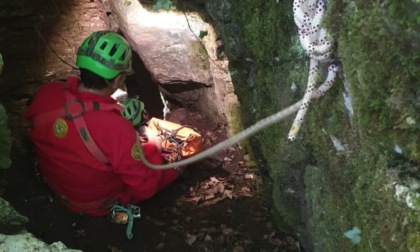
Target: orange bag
point(177, 138)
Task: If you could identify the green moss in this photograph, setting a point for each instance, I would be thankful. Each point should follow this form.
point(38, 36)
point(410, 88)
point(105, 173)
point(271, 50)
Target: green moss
point(263, 29)
point(330, 211)
point(414, 241)
point(6, 141)
point(200, 54)
point(377, 42)
point(318, 192)
point(389, 222)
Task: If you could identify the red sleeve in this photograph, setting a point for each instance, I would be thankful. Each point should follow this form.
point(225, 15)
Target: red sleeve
point(142, 182)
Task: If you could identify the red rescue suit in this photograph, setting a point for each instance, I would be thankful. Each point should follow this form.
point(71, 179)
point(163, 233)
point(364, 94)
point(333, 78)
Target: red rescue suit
point(85, 184)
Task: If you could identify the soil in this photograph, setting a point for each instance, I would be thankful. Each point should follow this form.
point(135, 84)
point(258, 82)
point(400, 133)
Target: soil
point(217, 206)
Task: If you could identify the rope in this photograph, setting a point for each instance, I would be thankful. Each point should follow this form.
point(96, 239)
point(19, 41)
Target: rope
point(279, 116)
point(166, 110)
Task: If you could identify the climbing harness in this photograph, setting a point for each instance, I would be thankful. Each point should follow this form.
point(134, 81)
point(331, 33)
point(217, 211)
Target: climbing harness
point(125, 215)
point(73, 111)
point(80, 123)
point(174, 143)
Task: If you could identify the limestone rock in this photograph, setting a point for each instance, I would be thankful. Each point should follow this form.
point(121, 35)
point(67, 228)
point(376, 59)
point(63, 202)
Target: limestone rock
point(29, 243)
point(10, 220)
point(188, 67)
point(6, 142)
point(169, 49)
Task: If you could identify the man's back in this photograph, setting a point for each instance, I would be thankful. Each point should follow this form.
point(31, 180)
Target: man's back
point(71, 170)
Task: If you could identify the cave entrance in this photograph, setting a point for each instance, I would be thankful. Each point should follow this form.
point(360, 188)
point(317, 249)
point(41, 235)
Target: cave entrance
point(142, 84)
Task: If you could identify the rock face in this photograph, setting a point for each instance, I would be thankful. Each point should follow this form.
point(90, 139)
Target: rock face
point(359, 145)
point(29, 243)
point(6, 141)
point(10, 220)
point(180, 59)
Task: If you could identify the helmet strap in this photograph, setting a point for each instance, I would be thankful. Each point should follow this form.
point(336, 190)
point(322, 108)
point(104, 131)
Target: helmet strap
point(117, 82)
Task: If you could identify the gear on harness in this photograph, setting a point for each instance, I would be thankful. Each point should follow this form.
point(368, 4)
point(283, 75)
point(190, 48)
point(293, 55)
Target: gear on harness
point(174, 143)
point(125, 215)
point(181, 139)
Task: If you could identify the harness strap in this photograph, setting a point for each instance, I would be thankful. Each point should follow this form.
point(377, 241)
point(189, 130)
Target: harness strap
point(80, 123)
point(73, 110)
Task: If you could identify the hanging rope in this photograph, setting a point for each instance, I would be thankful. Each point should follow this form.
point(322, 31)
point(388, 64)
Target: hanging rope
point(166, 110)
point(317, 44)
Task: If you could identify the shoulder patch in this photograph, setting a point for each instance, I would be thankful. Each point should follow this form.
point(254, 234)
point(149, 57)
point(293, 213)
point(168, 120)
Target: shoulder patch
point(135, 152)
point(60, 128)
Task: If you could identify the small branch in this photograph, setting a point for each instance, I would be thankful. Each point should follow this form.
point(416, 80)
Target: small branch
point(52, 49)
point(201, 43)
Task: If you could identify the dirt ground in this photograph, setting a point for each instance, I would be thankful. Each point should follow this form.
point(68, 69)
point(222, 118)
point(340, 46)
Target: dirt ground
point(217, 206)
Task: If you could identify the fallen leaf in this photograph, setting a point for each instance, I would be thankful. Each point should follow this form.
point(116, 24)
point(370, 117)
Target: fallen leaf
point(214, 179)
point(193, 200)
point(275, 241)
point(207, 238)
point(238, 249)
point(227, 231)
point(208, 197)
point(221, 188)
point(160, 245)
point(190, 239)
point(212, 201)
point(249, 176)
point(228, 194)
point(246, 192)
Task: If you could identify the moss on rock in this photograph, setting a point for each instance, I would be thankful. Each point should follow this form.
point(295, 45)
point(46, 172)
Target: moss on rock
point(342, 171)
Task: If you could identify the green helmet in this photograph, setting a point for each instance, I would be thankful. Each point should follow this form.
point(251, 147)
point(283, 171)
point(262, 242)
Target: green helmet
point(134, 111)
point(105, 53)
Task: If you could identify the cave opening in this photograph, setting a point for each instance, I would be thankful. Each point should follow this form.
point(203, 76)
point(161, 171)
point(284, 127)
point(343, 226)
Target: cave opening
point(142, 85)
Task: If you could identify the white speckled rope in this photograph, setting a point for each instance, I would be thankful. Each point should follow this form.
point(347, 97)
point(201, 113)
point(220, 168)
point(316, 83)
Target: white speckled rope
point(317, 44)
point(313, 68)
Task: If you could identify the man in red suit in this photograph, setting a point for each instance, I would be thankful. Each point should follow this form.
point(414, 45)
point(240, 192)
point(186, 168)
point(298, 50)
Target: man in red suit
point(87, 151)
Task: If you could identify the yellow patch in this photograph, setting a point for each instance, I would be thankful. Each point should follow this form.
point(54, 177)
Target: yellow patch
point(60, 128)
point(135, 152)
point(295, 129)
